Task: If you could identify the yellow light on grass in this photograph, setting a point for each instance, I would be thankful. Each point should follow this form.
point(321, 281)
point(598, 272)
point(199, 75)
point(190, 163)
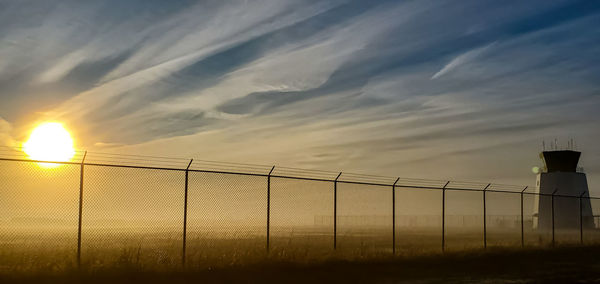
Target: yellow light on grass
point(50, 141)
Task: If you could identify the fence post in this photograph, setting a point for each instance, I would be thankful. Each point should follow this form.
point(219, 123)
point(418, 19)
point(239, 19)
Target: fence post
point(185, 203)
point(444, 216)
point(484, 218)
point(553, 239)
point(269, 207)
point(394, 217)
point(80, 210)
point(581, 218)
point(335, 211)
point(522, 222)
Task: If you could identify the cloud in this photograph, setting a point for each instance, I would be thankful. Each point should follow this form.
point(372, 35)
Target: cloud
point(462, 59)
point(320, 84)
point(6, 138)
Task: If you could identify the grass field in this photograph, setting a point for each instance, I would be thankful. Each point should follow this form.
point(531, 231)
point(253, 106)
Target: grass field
point(55, 251)
point(495, 265)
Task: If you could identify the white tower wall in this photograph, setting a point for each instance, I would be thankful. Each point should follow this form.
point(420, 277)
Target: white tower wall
point(566, 209)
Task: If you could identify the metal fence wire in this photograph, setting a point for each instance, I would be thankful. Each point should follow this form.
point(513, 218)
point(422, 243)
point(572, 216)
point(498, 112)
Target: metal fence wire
point(107, 210)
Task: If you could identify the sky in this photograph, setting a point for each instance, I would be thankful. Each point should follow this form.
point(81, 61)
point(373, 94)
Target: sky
point(428, 89)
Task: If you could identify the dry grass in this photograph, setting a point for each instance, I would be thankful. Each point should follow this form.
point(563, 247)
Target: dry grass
point(539, 265)
point(161, 252)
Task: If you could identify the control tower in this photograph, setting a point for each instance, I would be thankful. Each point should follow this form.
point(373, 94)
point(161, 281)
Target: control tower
point(561, 176)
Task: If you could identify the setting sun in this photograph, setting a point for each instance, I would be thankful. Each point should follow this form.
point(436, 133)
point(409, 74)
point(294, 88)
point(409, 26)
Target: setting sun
point(50, 141)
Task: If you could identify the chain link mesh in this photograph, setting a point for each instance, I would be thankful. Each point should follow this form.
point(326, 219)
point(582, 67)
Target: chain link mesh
point(464, 220)
point(38, 215)
point(591, 235)
point(504, 219)
point(364, 220)
point(532, 237)
point(227, 216)
point(134, 216)
point(302, 214)
point(418, 220)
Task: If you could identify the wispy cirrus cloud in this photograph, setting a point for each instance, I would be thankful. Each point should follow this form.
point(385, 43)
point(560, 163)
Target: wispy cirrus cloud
point(386, 85)
point(461, 59)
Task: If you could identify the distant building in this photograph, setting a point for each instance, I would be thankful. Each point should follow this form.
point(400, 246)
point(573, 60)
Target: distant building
point(561, 177)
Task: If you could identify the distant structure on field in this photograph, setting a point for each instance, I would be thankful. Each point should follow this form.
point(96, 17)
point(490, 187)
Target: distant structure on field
point(562, 177)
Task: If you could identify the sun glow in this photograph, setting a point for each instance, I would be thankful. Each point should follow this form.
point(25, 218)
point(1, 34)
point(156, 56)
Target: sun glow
point(50, 141)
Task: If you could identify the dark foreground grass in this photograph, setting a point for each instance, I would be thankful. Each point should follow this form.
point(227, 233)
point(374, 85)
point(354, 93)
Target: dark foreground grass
point(544, 265)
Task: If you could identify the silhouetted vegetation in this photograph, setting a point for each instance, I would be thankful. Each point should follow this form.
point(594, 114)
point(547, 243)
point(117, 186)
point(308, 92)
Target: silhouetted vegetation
point(560, 265)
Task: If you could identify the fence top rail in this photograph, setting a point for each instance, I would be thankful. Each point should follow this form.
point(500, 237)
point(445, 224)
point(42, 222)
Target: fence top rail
point(183, 164)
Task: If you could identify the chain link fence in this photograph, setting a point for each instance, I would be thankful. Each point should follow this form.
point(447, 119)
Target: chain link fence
point(107, 210)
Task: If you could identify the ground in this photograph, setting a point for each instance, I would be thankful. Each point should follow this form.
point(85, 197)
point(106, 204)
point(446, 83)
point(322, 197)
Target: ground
point(541, 265)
